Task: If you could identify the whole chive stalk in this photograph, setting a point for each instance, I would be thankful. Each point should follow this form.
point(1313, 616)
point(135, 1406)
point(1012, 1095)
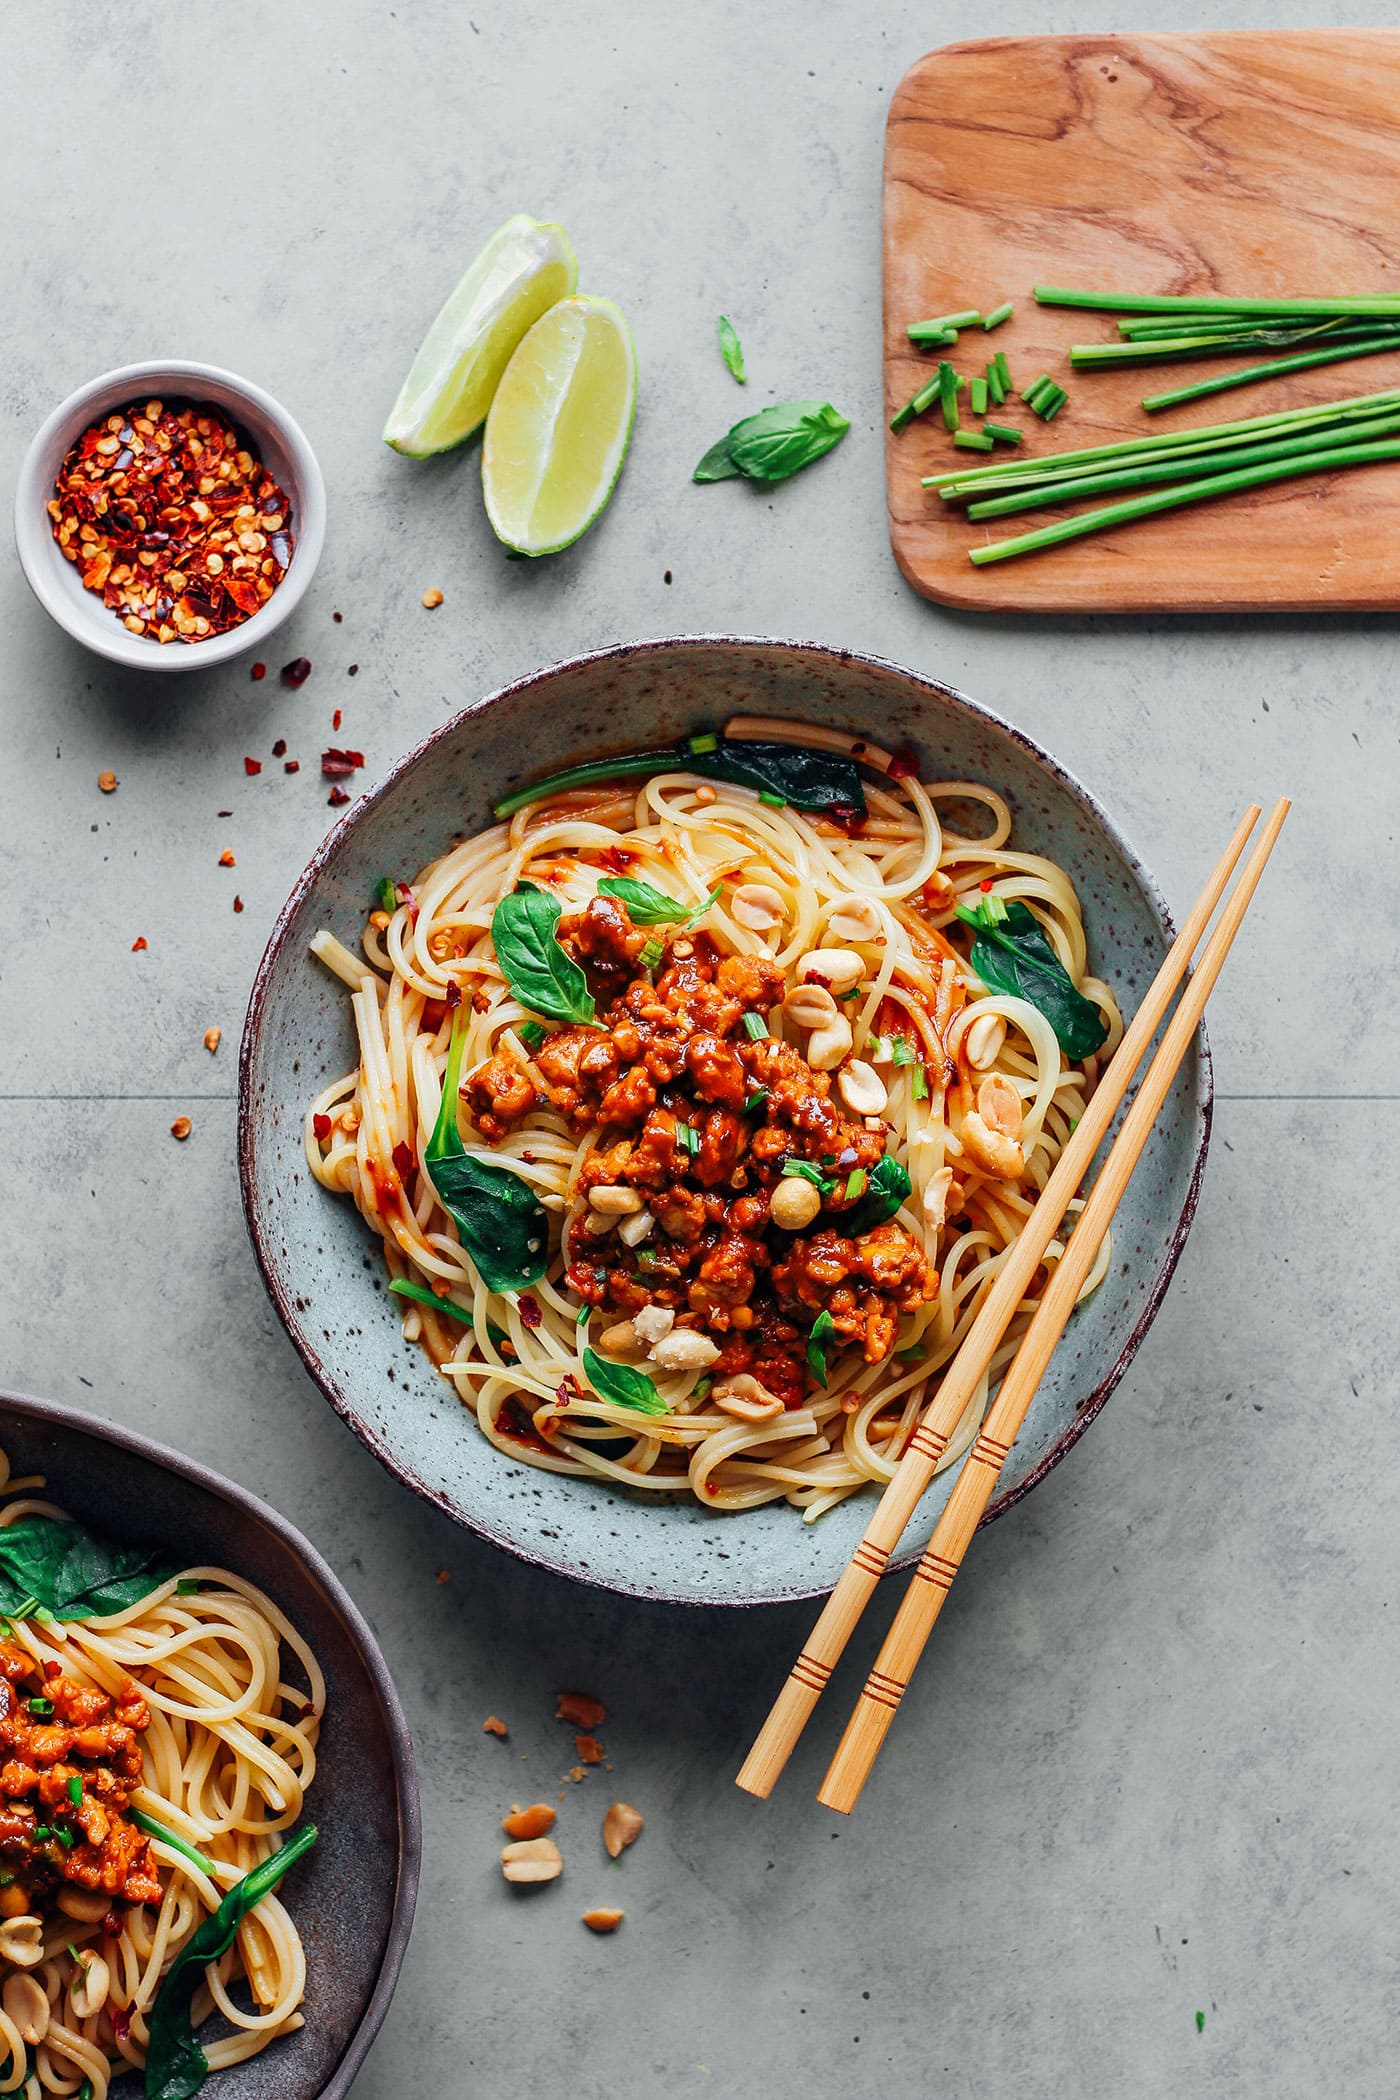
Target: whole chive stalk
point(995, 389)
point(972, 440)
point(1193, 466)
point(1205, 491)
point(1183, 348)
point(1002, 433)
point(1193, 303)
point(942, 324)
point(977, 393)
point(948, 395)
point(998, 314)
point(1301, 363)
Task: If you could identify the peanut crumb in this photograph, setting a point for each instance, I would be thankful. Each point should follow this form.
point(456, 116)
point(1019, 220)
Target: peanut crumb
point(580, 1709)
point(494, 1725)
point(589, 1748)
point(622, 1826)
point(443, 1575)
point(576, 1773)
point(532, 1859)
point(212, 1039)
point(226, 859)
point(107, 782)
point(532, 1822)
point(181, 1128)
point(603, 1920)
point(706, 795)
point(432, 599)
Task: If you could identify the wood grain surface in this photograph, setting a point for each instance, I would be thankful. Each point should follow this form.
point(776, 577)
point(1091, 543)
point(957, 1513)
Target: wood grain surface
point(1254, 164)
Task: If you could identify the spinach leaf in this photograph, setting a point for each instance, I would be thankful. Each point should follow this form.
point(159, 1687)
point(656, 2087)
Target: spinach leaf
point(542, 975)
point(623, 1385)
point(730, 348)
point(649, 907)
point(887, 1188)
point(176, 2066)
point(822, 1326)
point(405, 1287)
point(810, 779)
point(775, 443)
point(498, 1218)
point(1012, 955)
point(51, 1564)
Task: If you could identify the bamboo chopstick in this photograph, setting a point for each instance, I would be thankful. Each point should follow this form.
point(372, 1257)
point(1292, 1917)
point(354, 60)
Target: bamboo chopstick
point(933, 1576)
point(809, 1674)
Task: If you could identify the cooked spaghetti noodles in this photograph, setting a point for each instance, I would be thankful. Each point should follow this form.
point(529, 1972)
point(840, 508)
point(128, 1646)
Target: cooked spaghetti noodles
point(782, 1156)
point(161, 1756)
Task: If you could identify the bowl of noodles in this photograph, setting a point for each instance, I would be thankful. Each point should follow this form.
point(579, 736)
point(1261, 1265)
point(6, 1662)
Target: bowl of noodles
point(645, 1082)
point(209, 1834)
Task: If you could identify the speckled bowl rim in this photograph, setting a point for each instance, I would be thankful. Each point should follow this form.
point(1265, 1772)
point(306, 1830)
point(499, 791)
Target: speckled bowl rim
point(618, 653)
point(405, 1772)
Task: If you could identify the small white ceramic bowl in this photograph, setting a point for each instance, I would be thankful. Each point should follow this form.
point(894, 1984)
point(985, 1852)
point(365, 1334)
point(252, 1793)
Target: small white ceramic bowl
point(55, 582)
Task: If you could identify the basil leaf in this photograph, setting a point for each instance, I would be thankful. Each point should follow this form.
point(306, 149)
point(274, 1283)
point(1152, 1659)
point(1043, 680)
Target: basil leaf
point(730, 348)
point(542, 975)
point(51, 1564)
point(822, 1326)
point(623, 1385)
point(778, 441)
point(649, 907)
point(888, 1187)
point(1012, 955)
point(717, 465)
point(176, 2066)
point(499, 1220)
point(808, 779)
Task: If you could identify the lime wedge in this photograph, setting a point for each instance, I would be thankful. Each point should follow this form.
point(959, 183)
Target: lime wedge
point(557, 433)
point(523, 269)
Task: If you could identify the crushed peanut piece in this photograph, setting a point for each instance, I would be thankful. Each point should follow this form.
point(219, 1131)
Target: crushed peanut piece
point(602, 1920)
point(576, 1773)
point(532, 1822)
point(532, 1859)
point(238, 904)
point(226, 859)
point(107, 782)
point(578, 1708)
point(431, 599)
point(622, 1826)
point(443, 1575)
point(589, 1748)
point(181, 1128)
point(494, 1725)
point(212, 1039)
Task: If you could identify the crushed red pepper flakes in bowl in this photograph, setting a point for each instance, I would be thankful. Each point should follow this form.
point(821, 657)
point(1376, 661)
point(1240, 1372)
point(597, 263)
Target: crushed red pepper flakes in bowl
point(297, 671)
point(171, 518)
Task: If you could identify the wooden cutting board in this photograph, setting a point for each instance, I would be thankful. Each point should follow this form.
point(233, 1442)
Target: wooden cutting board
point(1252, 163)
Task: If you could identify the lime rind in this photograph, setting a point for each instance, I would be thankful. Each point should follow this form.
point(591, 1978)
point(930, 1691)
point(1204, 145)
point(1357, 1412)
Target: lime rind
point(526, 267)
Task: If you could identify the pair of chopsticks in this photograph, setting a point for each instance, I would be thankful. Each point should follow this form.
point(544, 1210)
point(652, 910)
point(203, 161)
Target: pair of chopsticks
point(933, 1576)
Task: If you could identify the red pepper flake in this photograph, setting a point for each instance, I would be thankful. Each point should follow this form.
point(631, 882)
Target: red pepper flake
point(336, 797)
point(337, 617)
point(528, 1158)
point(53, 1669)
point(252, 766)
point(138, 943)
point(322, 1126)
point(351, 671)
point(904, 766)
point(279, 749)
point(454, 995)
point(259, 672)
point(121, 2022)
point(238, 904)
point(494, 1725)
point(336, 764)
point(297, 671)
point(530, 1314)
point(223, 812)
point(403, 1161)
point(170, 517)
point(293, 765)
point(226, 859)
point(336, 719)
point(986, 884)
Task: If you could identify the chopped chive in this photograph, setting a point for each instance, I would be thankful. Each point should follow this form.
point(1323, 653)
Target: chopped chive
point(972, 441)
point(65, 1838)
point(1028, 393)
point(755, 1027)
point(902, 1052)
point(912, 1354)
point(1003, 433)
point(530, 1033)
point(996, 392)
point(773, 801)
point(385, 895)
point(1004, 372)
point(650, 953)
point(855, 1183)
point(75, 1791)
point(646, 1258)
point(756, 1100)
point(688, 1137)
point(966, 319)
point(6, 1878)
point(42, 1831)
point(405, 1287)
point(803, 1170)
point(188, 1586)
point(915, 405)
point(583, 1315)
point(918, 1083)
point(706, 741)
point(40, 1708)
point(948, 395)
point(1052, 403)
point(1371, 347)
point(701, 1388)
point(930, 336)
point(998, 314)
point(978, 397)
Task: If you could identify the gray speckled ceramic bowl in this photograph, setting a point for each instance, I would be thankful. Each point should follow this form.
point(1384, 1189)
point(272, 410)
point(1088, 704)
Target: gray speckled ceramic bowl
point(324, 1273)
point(354, 1893)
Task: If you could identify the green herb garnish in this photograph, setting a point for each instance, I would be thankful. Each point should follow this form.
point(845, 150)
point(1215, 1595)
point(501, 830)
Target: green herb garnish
point(803, 1170)
point(918, 1083)
point(407, 1287)
point(810, 778)
point(855, 1183)
point(755, 1027)
point(1012, 955)
point(623, 1385)
point(500, 1221)
point(51, 1565)
point(650, 953)
point(75, 1791)
point(756, 1100)
point(650, 907)
point(774, 444)
point(531, 1033)
point(540, 972)
point(385, 894)
point(889, 1187)
point(687, 1137)
point(730, 348)
point(822, 1326)
point(168, 1837)
point(998, 314)
point(188, 1586)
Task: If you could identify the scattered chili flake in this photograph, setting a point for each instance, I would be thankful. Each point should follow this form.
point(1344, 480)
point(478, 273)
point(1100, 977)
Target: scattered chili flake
point(403, 1161)
point(986, 883)
point(297, 671)
point(494, 1725)
point(336, 719)
point(53, 1669)
point(443, 1575)
point(238, 904)
point(212, 1039)
point(337, 617)
point(107, 782)
point(121, 2021)
point(259, 671)
point(279, 749)
point(431, 600)
point(138, 943)
point(293, 765)
point(337, 764)
point(904, 766)
point(530, 1314)
point(181, 1128)
point(252, 766)
point(171, 517)
point(336, 797)
point(351, 671)
point(580, 1709)
point(322, 1126)
point(226, 859)
point(453, 996)
point(223, 812)
point(667, 577)
point(589, 1749)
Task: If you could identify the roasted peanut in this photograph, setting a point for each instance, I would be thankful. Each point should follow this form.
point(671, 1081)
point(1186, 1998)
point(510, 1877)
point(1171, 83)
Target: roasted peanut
point(983, 1041)
point(532, 1859)
point(745, 1397)
point(614, 1200)
point(855, 919)
point(758, 906)
point(827, 1046)
point(861, 1088)
point(839, 969)
point(810, 1006)
point(622, 1826)
point(684, 1350)
point(793, 1203)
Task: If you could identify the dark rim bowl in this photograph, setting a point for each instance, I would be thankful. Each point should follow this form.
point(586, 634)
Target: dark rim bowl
point(324, 1274)
point(353, 1894)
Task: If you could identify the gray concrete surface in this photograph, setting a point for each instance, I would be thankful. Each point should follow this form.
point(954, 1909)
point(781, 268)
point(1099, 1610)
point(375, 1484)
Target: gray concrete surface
point(1148, 1769)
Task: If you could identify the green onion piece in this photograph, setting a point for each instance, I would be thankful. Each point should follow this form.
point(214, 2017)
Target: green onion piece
point(803, 1170)
point(773, 801)
point(646, 1258)
point(530, 1033)
point(915, 405)
point(998, 314)
point(42, 1831)
point(967, 319)
point(707, 740)
point(405, 1287)
point(1004, 371)
point(929, 336)
point(995, 390)
point(701, 1388)
point(1043, 379)
point(1003, 433)
point(914, 1353)
point(385, 896)
point(75, 1791)
point(972, 441)
point(1371, 347)
point(584, 1312)
point(6, 1878)
point(40, 1707)
point(1191, 303)
point(1050, 404)
point(756, 1100)
point(688, 1137)
point(755, 1027)
point(918, 1083)
point(650, 953)
point(65, 1838)
point(188, 1586)
point(948, 395)
point(903, 1052)
point(1202, 491)
point(855, 1183)
point(978, 397)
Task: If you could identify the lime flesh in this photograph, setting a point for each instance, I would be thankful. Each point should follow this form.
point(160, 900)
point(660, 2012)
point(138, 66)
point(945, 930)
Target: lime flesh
point(525, 267)
point(559, 426)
